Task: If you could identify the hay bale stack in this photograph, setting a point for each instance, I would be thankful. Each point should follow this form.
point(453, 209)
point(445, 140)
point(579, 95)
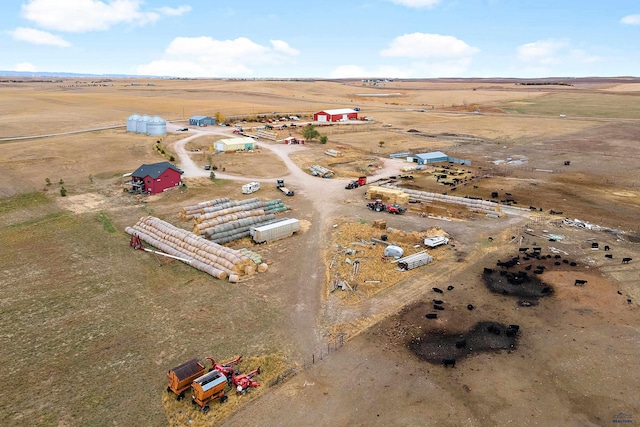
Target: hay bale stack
point(388, 195)
point(217, 260)
point(188, 212)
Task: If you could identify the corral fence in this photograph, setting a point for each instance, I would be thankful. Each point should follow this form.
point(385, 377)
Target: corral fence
point(322, 354)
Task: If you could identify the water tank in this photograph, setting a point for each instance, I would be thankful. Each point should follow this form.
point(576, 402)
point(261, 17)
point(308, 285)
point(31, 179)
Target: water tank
point(393, 251)
point(141, 125)
point(132, 122)
point(156, 126)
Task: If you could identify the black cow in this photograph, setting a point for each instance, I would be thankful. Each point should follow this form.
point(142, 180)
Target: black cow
point(528, 267)
point(437, 301)
point(449, 362)
point(573, 264)
point(488, 270)
point(606, 248)
point(450, 287)
point(626, 260)
point(431, 315)
point(438, 307)
point(608, 256)
point(580, 282)
point(438, 290)
point(523, 249)
point(470, 307)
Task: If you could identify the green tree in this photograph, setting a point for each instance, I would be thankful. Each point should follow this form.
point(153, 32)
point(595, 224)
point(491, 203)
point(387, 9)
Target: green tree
point(48, 181)
point(219, 117)
point(324, 139)
point(310, 133)
point(381, 143)
point(63, 191)
point(212, 175)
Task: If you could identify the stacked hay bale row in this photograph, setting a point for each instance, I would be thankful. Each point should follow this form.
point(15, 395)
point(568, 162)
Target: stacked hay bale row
point(388, 195)
point(210, 257)
point(189, 212)
point(474, 205)
point(257, 258)
point(232, 220)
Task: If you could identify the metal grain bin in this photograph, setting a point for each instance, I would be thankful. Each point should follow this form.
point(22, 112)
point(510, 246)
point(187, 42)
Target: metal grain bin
point(132, 122)
point(141, 125)
point(156, 126)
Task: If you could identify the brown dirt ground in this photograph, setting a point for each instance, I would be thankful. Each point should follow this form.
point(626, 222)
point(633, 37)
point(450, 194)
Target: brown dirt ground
point(105, 321)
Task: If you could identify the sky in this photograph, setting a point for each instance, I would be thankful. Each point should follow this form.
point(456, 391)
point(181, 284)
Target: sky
point(323, 39)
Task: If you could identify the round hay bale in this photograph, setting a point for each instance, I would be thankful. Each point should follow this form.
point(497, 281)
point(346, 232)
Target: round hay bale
point(233, 278)
point(263, 267)
point(249, 269)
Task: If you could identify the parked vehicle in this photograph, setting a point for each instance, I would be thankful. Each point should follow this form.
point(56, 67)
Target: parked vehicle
point(251, 187)
point(396, 209)
point(377, 206)
point(393, 208)
point(181, 377)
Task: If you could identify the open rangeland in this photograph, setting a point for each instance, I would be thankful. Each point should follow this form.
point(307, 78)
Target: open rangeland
point(90, 326)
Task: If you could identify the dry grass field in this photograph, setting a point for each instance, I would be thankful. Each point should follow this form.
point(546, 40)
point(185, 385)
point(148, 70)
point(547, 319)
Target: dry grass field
point(90, 326)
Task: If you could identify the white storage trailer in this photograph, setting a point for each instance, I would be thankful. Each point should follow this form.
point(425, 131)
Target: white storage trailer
point(275, 231)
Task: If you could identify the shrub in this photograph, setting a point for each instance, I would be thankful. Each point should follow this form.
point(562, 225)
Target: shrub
point(63, 191)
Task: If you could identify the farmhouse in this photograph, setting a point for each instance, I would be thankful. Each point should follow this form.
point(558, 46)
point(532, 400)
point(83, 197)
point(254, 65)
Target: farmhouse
point(201, 121)
point(235, 144)
point(155, 178)
point(341, 114)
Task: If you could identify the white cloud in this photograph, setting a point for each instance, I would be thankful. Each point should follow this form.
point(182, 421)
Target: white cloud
point(282, 46)
point(25, 67)
point(416, 3)
point(548, 52)
point(85, 15)
point(207, 57)
point(31, 35)
point(631, 20)
point(421, 45)
point(174, 11)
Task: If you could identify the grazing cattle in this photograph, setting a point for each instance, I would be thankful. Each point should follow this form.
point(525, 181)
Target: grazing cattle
point(628, 300)
point(449, 362)
point(516, 327)
point(470, 307)
point(557, 263)
point(579, 282)
point(438, 307)
point(507, 194)
point(461, 344)
point(608, 256)
point(532, 208)
point(523, 249)
point(538, 271)
point(510, 332)
point(552, 212)
point(450, 287)
point(524, 303)
point(557, 257)
point(626, 260)
point(490, 239)
point(437, 301)
point(494, 194)
point(438, 290)
point(573, 264)
point(431, 315)
point(488, 270)
point(606, 248)
point(528, 267)
point(619, 293)
point(537, 250)
point(565, 261)
point(475, 186)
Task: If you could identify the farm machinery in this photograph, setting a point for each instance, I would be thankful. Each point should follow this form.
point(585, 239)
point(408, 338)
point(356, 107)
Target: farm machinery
point(356, 183)
point(393, 208)
point(209, 386)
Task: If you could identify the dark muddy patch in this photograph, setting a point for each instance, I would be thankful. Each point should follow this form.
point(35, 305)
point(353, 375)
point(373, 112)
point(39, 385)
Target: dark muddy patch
point(443, 347)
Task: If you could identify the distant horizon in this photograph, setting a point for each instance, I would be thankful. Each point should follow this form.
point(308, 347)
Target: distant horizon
point(60, 74)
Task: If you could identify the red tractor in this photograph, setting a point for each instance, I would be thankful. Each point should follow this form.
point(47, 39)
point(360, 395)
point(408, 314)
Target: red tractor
point(396, 209)
point(245, 381)
point(351, 185)
point(377, 206)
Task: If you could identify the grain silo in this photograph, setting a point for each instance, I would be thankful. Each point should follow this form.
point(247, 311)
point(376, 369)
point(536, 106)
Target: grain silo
point(156, 126)
point(132, 123)
point(141, 125)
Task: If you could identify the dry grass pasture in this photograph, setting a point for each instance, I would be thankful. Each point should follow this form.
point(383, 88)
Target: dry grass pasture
point(90, 326)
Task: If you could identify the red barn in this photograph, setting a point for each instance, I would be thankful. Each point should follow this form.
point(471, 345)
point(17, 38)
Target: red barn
point(341, 114)
point(155, 178)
